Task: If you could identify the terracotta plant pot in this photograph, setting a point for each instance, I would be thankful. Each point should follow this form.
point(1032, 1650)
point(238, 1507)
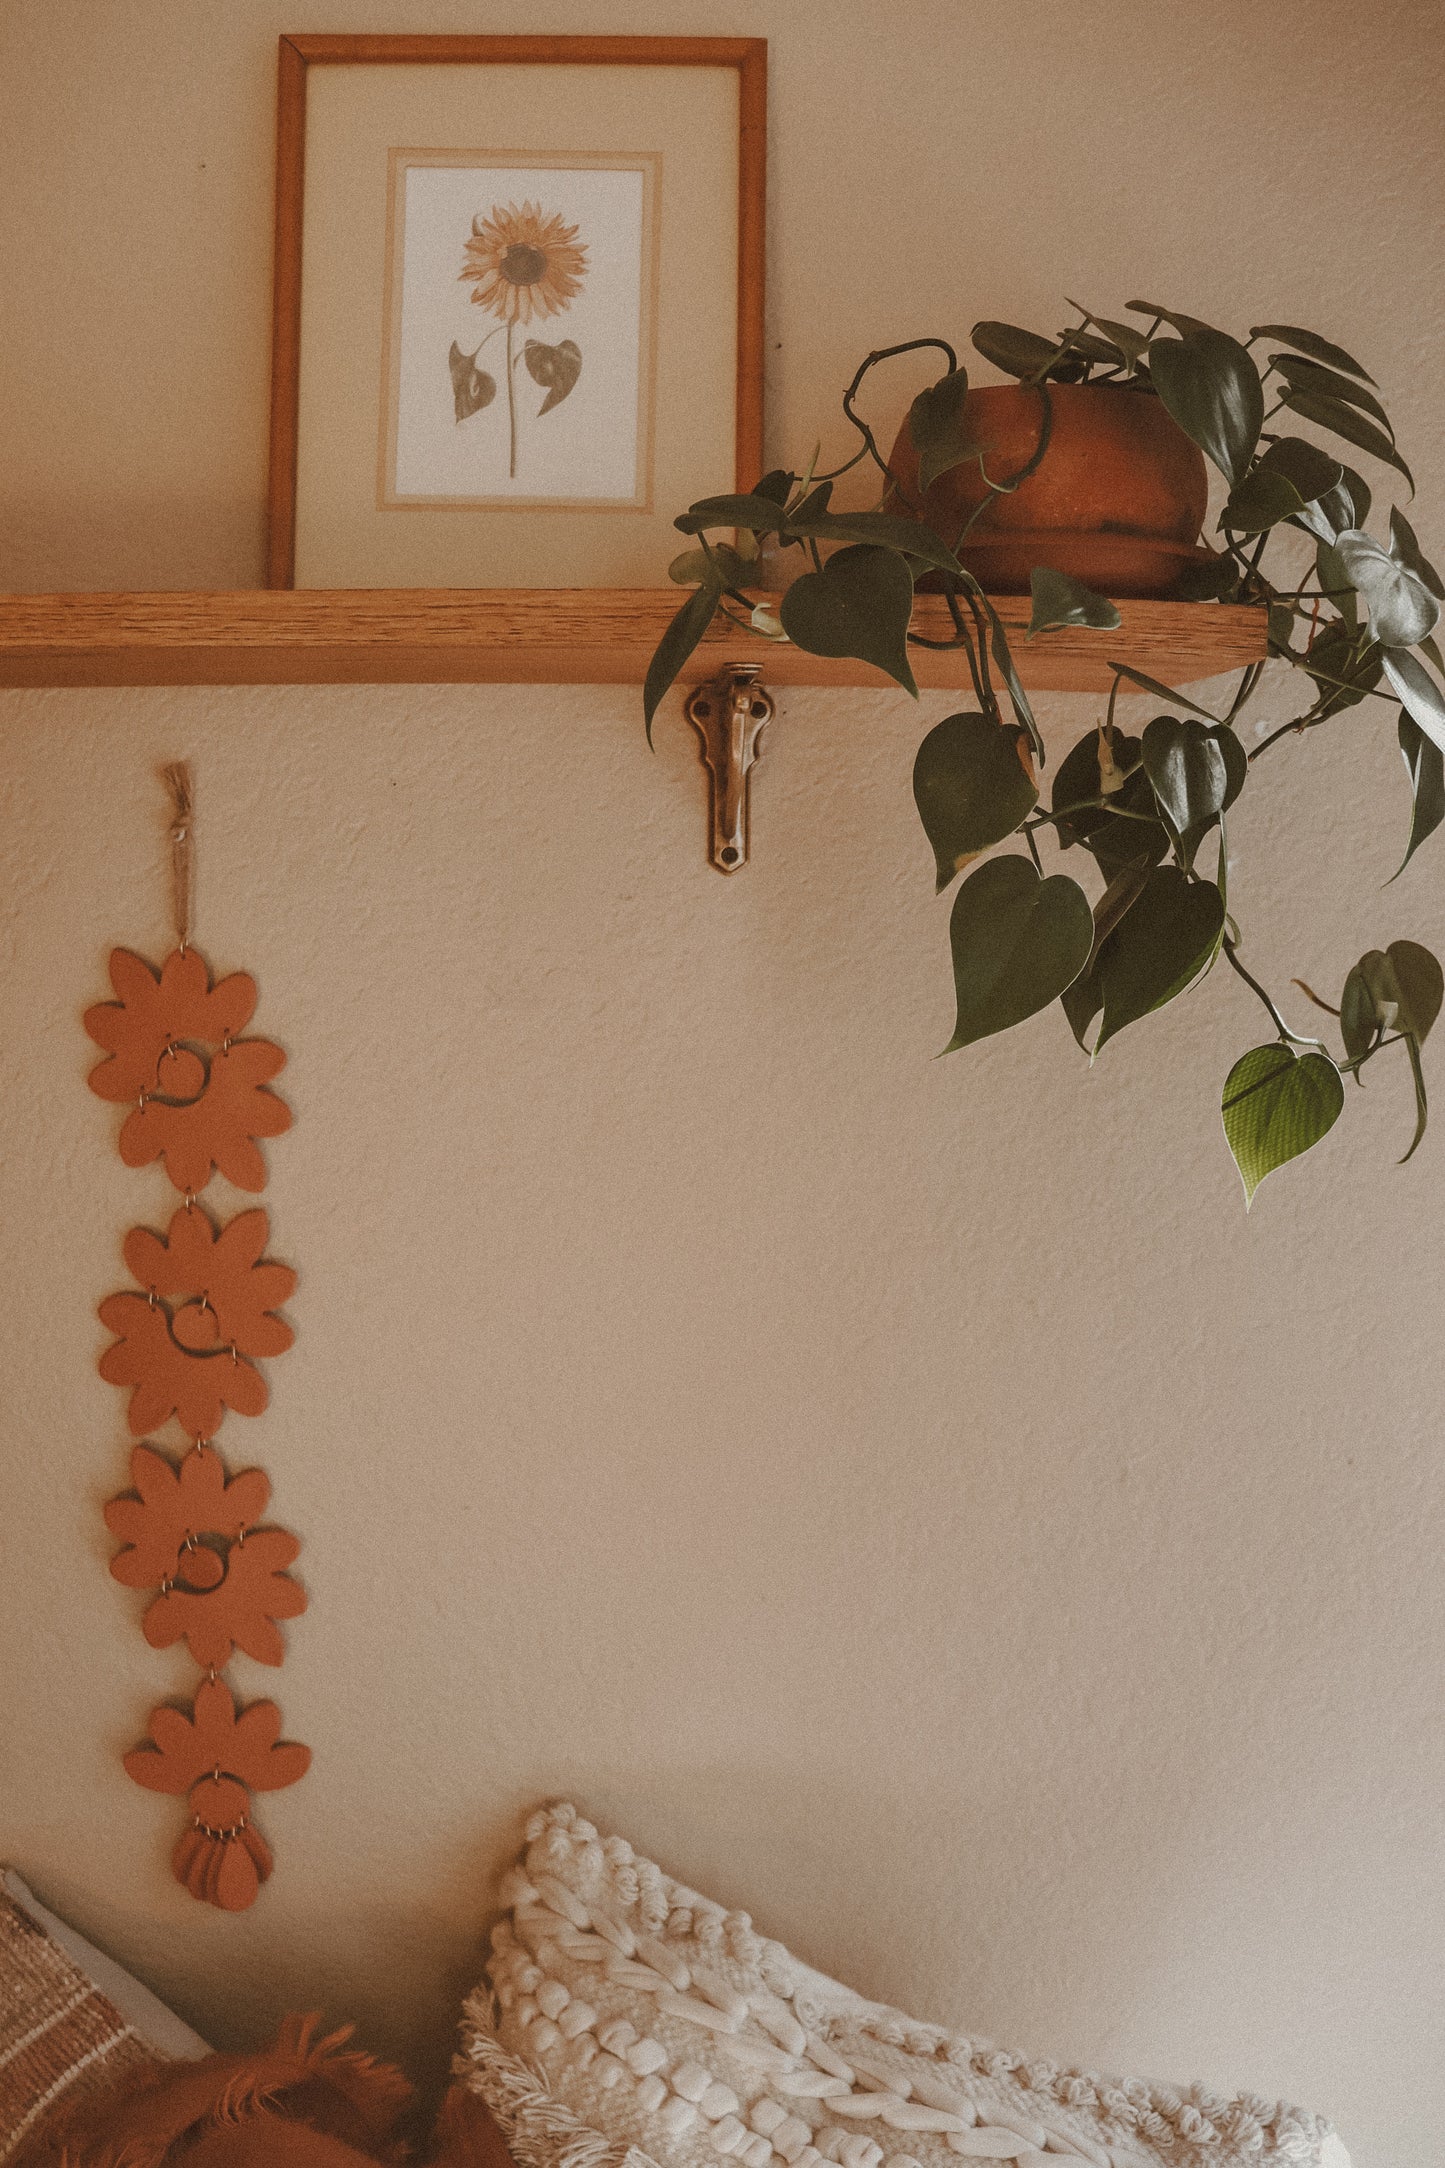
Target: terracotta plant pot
point(1117, 500)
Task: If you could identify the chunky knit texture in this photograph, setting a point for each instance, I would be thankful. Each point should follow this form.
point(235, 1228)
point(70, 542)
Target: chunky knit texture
point(628, 2021)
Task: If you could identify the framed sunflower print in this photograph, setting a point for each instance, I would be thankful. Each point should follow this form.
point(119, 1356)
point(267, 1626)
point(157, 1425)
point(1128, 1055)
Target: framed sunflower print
point(518, 307)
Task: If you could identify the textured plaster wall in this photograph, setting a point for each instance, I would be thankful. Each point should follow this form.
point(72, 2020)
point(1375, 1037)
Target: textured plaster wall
point(907, 1496)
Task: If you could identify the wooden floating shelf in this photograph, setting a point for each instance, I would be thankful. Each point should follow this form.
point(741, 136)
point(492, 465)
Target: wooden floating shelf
point(546, 636)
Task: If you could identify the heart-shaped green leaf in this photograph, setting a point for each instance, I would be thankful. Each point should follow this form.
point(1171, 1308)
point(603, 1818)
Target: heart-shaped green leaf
point(1210, 385)
point(1059, 600)
point(1115, 838)
point(676, 644)
point(1017, 353)
point(1018, 941)
point(1405, 987)
point(1402, 609)
point(1342, 420)
point(1310, 342)
point(1421, 987)
point(556, 368)
point(1291, 474)
point(1130, 340)
point(1346, 505)
point(472, 388)
point(1425, 766)
point(971, 789)
point(762, 514)
point(695, 566)
point(937, 429)
point(1158, 949)
point(1197, 770)
point(1417, 690)
point(1276, 1105)
point(858, 605)
point(880, 530)
point(1260, 501)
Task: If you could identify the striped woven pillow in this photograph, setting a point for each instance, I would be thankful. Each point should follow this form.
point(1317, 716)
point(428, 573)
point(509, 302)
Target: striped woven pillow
point(628, 2020)
point(61, 2036)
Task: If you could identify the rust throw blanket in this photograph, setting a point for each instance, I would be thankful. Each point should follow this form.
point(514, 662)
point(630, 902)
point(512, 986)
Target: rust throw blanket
point(304, 2102)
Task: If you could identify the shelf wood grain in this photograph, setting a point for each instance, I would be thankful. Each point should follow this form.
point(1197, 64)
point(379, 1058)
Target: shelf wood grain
point(546, 636)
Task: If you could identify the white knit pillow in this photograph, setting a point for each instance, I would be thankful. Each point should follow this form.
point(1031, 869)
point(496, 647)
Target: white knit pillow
point(628, 2020)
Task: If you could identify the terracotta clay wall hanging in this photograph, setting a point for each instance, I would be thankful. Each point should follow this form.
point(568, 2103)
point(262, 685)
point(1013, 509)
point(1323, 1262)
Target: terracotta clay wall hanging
point(188, 1335)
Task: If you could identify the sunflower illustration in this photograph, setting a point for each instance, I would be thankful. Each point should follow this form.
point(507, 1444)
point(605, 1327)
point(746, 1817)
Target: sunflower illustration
point(522, 264)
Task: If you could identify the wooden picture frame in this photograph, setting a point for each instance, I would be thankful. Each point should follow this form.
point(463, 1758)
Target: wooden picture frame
point(298, 56)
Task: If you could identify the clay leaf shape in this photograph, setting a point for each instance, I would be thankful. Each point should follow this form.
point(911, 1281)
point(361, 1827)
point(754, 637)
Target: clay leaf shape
point(240, 1612)
point(219, 1128)
point(224, 1870)
point(227, 1293)
point(176, 1505)
point(155, 1009)
point(248, 1747)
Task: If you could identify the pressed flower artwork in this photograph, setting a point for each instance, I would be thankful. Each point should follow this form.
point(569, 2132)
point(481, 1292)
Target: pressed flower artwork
point(520, 327)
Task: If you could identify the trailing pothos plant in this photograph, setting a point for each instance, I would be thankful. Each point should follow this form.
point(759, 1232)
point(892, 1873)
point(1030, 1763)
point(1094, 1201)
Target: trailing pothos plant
point(1353, 612)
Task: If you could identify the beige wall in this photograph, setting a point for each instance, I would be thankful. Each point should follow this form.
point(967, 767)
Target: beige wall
point(908, 1497)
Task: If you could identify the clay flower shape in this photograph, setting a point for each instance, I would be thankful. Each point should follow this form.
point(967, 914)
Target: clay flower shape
point(188, 1363)
point(158, 1009)
point(175, 1507)
point(229, 1293)
point(218, 1126)
point(522, 265)
point(215, 1616)
point(219, 1759)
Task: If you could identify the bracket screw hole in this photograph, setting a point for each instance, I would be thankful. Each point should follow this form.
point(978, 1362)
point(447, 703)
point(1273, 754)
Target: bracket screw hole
point(729, 855)
point(759, 709)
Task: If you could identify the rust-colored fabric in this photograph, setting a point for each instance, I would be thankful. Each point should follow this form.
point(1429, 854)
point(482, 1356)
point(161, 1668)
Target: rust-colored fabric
point(304, 2102)
point(60, 2037)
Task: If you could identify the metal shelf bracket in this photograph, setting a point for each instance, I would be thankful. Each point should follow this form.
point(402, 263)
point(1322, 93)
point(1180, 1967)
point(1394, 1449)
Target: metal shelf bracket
point(729, 714)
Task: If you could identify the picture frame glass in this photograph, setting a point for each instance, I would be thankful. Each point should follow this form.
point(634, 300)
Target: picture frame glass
point(518, 320)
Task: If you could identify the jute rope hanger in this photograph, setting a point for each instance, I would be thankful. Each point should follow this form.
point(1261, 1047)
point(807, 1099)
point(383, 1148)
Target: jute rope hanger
point(177, 774)
point(205, 1306)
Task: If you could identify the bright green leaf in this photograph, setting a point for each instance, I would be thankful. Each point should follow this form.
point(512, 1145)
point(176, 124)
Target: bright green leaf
point(1425, 766)
point(1310, 342)
point(1276, 1105)
point(1059, 600)
point(1210, 385)
point(971, 789)
point(1018, 941)
point(858, 605)
point(1159, 949)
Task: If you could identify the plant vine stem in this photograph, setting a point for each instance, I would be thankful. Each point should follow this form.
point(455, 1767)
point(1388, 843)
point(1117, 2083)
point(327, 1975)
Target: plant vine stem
point(511, 404)
point(1291, 1038)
